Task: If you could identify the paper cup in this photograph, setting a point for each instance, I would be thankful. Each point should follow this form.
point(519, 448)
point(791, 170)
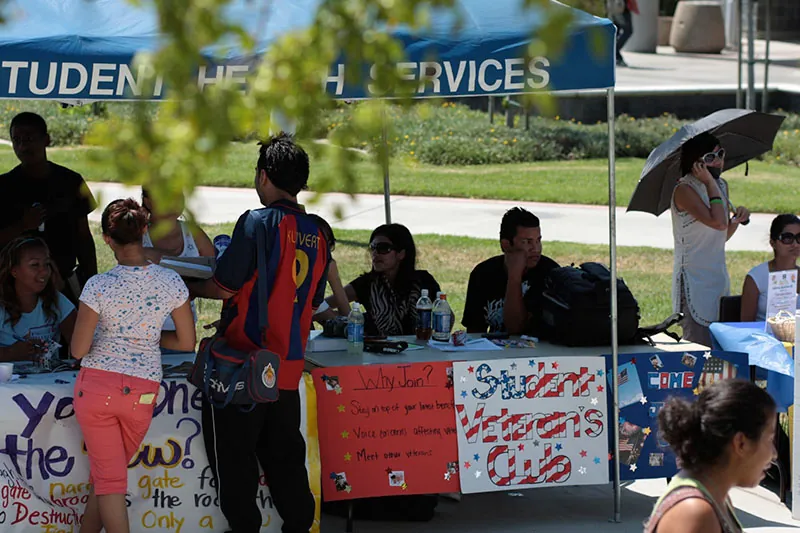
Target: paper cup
point(6, 370)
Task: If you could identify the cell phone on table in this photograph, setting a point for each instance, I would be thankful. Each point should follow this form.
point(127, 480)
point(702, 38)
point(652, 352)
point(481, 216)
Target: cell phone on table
point(496, 335)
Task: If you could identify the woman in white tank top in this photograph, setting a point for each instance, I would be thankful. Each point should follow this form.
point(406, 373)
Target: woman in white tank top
point(784, 237)
point(701, 225)
point(175, 238)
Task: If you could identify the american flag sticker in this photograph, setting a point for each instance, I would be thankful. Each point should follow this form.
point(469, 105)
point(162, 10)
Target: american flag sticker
point(716, 369)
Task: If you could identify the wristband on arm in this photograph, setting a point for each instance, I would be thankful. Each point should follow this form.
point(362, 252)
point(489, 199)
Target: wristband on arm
point(716, 200)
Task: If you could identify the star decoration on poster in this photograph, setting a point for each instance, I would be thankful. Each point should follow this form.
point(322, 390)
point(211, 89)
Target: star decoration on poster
point(333, 475)
point(477, 474)
point(345, 434)
point(582, 470)
point(476, 457)
point(338, 389)
point(463, 394)
point(463, 379)
point(647, 431)
point(347, 457)
point(597, 460)
point(559, 447)
point(600, 373)
point(340, 408)
point(555, 365)
point(536, 444)
point(531, 363)
point(594, 401)
point(583, 453)
point(633, 467)
point(513, 366)
point(643, 400)
point(707, 356)
point(521, 447)
point(696, 391)
point(447, 476)
point(348, 489)
point(600, 388)
point(467, 465)
point(471, 370)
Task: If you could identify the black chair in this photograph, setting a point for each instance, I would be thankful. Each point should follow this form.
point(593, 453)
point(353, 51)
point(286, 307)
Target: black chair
point(730, 309)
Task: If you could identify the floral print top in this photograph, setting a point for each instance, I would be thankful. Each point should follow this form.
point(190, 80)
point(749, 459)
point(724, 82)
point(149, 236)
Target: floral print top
point(132, 303)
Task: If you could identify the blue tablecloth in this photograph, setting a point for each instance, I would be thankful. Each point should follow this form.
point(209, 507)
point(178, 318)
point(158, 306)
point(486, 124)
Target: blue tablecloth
point(765, 352)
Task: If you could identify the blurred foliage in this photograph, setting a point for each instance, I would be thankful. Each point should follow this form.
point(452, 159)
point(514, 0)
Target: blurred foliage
point(194, 127)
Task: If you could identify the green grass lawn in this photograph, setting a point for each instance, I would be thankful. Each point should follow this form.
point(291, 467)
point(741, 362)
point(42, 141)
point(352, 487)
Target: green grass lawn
point(647, 271)
point(770, 187)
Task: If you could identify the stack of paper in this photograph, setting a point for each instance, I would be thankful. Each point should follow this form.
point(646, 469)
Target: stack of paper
point(190, 267)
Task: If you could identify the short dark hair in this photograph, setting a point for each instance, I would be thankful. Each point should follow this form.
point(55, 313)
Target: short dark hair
point(514, 218)
point(779, 223)
point(695, 148)
point(285, 163)
point(698, 432)
point(26, 118)
point(125, 221)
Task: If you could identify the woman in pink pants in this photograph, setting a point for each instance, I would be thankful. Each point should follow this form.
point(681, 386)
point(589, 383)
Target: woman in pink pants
point(117, 336)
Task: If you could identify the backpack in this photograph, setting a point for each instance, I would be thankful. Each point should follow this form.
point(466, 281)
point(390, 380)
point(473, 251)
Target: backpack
point(576, 307)
point(616, 7)
point(228, 376)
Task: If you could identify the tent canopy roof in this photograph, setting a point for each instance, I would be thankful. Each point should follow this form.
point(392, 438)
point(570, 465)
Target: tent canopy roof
point(54, 32)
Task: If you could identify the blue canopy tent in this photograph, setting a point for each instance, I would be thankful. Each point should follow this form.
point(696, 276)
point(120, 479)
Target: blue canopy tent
point(74, 50)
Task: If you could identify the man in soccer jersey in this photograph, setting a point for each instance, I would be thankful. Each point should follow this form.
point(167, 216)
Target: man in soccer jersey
point(297, 259)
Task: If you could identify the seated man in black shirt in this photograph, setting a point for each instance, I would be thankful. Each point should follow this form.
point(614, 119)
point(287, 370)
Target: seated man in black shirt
point(42, 199)
point(505, 292)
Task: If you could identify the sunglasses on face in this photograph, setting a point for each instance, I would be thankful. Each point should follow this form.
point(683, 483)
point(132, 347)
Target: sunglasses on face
point(710, 157)
point(789, 238)
point(381, 248)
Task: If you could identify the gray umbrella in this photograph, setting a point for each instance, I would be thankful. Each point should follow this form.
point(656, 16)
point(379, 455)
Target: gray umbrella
point(743, 133)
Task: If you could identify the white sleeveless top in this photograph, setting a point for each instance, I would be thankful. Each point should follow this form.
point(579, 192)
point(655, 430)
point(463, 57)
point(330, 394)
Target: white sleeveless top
point(189, 250)
point(699, 270)
point(760, 275)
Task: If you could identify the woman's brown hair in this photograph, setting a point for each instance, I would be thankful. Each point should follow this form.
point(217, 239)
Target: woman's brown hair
point(11, 257)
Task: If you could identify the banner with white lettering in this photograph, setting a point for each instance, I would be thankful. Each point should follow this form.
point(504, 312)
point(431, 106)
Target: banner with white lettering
point(525, 423)
point(44, 469)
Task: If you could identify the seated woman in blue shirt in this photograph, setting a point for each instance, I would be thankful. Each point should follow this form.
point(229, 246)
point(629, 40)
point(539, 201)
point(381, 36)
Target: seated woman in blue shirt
point(34, 315)
point(784, 237)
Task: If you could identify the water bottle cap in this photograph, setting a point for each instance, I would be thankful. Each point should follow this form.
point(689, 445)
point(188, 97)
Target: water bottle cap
point(424, 292)
point(443, 296)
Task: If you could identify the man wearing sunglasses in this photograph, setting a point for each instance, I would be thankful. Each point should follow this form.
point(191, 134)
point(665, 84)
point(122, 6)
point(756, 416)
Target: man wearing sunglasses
point(703, 219)
point(505, 292)
point(42, 199)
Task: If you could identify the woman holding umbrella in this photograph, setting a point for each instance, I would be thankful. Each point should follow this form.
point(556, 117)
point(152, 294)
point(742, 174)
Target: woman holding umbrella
point(701, 225)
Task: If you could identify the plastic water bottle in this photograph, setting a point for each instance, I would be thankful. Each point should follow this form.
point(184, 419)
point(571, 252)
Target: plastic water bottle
point(442, 319)
point(355, 331)
point(221, 243)
point(424, 318)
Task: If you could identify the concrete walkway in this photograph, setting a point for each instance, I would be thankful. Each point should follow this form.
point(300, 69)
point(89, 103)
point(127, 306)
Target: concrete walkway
point(571, 510)
point(452, 216)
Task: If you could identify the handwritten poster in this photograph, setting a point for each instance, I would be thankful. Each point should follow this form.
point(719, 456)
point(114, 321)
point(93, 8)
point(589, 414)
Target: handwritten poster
point(525, 423)
point(386, 430)
point(782, 292)
point(646, 381)
point(44, 471)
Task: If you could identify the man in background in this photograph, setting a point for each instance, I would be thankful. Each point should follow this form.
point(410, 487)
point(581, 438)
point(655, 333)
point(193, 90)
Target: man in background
point(40, 198)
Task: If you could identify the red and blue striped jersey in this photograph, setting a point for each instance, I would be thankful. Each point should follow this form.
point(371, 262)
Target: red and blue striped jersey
point(297, 271)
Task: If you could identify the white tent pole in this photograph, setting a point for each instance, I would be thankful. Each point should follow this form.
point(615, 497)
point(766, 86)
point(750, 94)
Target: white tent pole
point(387, 205)
point(739, 94)
point(612, 245)
point(767, 36)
